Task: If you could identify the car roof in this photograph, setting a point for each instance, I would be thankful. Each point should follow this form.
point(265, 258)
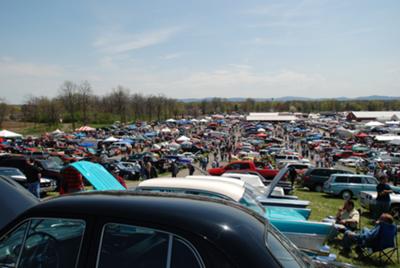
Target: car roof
point(218, 178)
point(220, 222)
point(352, 175)
point(229, 189)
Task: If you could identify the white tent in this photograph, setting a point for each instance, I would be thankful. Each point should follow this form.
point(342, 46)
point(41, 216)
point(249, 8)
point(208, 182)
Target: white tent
point(203, 120)
point(374, 124)
point(166, 130)
point(9, 134)
point(388, 138)
point(392, 122)
point(57, 132)
point(183, 139)
point(260, 130)
point(111, 139)
point(171, 120)
point(174, 145)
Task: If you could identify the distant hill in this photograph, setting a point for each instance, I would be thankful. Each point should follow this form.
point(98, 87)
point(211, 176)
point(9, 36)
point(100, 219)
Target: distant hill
point(294, 98)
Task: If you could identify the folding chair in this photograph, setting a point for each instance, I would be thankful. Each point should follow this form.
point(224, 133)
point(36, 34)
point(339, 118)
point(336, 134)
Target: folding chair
point(384, 246)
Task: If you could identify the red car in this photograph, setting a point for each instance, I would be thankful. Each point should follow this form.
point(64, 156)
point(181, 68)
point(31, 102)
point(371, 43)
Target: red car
point(260, 167)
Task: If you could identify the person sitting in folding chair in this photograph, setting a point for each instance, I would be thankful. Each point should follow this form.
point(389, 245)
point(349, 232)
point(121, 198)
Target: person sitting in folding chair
point(369, 241)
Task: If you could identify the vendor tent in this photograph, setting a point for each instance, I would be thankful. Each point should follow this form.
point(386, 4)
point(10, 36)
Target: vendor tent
point(261, 130)
point(374, 124)
point(166, 130)
point(57, 132)
point(9, 134)
point(362, 135)
point(111, 139)
point(85, 129)
point(170, 120)
point(183, 139)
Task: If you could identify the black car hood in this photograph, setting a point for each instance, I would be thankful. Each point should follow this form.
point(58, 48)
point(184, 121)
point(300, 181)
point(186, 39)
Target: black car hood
point(14, 200)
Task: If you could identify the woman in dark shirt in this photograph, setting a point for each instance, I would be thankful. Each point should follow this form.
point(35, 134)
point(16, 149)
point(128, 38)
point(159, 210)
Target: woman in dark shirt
point(383, 198)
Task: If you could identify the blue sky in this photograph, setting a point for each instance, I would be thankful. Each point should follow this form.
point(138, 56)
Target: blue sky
point(207, 48)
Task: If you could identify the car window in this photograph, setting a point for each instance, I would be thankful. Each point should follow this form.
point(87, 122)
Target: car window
point(11, 245)
point(341, 179)
point(183, 256)
point(126, 246)
point(244, 166)
point(371, 180)
point(354, 179)
point(233, 167)
point(43, 243)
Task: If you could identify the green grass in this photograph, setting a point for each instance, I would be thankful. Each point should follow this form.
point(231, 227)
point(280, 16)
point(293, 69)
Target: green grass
point(322, 206)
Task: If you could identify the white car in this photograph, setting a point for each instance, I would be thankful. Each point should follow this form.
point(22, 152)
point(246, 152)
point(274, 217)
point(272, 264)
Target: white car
point(368, 201)
point(241, 179)
point(351, 161)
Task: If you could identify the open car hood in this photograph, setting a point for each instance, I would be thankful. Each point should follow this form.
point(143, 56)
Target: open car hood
point(276, 179)
point(98, 176)
point(14, 200)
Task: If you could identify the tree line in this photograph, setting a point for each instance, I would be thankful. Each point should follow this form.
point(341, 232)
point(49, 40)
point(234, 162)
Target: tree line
point(76, 103)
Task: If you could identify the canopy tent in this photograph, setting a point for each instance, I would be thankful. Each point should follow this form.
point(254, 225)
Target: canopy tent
point(203, 120)
point(388, 138)
point(261, 135)
point(261, 130)
point(111, 139)
point(183, 139)
point(57, 132)
point(217, 116)
point(85, 129)
point(362, 135)
point(171, 120)
point(374, 124)
point(9, 134)
point(166, 130)
point(396, 123)
point(174, 145)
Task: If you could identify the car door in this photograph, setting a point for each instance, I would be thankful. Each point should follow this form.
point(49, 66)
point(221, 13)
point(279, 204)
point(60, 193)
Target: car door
point(355, 185)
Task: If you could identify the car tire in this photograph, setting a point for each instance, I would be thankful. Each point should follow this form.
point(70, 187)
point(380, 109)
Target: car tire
point(395, 211)
point(346, 195)
point(318, 188)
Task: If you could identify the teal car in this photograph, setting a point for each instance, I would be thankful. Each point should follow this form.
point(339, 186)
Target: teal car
point(349, 186)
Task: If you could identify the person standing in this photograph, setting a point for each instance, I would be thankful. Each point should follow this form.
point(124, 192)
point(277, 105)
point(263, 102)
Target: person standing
point(383, 199)
point(292, 175)
point(148, 169)
point(33, 176)
point(174, 169)
point(191, 169)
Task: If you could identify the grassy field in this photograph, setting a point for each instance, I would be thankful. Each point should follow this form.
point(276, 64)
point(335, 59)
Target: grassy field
point(323, 205)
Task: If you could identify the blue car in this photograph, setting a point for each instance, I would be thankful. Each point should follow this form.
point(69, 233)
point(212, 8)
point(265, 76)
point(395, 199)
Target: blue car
point(349, 186)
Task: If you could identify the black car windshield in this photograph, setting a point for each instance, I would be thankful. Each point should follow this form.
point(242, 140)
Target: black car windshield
point(49, 164)
point(284, 250)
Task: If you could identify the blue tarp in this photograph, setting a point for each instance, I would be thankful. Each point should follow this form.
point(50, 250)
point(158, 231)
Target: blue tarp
point(98, 176)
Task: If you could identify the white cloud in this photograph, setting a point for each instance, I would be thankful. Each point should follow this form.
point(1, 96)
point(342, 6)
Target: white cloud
point(115, 43)
point(172, 56)
point(11, 67)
